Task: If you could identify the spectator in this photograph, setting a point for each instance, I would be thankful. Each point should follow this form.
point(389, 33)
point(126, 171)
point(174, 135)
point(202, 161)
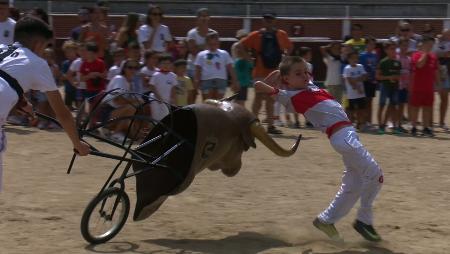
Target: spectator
point(83, 17)
point(7, 24)
point(163, 85)
point(357, 41)
point(70, 91)
point(388, 73)
point(40, 13)
point(240, 34)
point(149, 69)
point(442, 50)
point(73, 75)
point(405, 30)
point(14, 13)
point(127, 32)
point(369, 59)
point(93, 72)
point(95, 31)
point(182, 51)
point(120, 106)
point(196, 36)
point(243, 67)
point(405, 79)
point(269, 45)
point(211, 70)
point(153, 35)
point(428, 30)
point(134, 51)
point(118, 58)
point(184, 88)
point(332, 58)
point(425, 69)
point(354, 76)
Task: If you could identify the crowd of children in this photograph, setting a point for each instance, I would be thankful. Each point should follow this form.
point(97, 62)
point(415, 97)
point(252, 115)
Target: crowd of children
point(406, 79)
point(405, 70)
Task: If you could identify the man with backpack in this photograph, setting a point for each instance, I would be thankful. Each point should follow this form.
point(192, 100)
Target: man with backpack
point(268, 46)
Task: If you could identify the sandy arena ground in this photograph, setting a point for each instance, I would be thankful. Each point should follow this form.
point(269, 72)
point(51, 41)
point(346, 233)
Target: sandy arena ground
point(267, 208)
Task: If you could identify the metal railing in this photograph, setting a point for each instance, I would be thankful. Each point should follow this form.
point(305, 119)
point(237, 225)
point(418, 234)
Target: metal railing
point(383, 8)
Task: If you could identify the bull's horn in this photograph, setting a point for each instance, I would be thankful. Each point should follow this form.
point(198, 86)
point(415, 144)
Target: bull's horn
point(260, 133)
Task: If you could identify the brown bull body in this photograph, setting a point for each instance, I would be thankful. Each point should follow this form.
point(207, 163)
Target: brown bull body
point(215, 134)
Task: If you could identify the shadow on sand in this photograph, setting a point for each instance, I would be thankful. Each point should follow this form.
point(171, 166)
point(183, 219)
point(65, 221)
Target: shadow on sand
point(242, 243)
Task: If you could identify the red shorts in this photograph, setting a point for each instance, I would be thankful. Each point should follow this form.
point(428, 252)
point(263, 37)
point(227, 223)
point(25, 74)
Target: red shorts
point(421, 98)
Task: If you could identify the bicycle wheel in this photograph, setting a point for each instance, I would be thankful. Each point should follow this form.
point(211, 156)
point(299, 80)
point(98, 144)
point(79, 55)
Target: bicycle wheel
point(105, 216)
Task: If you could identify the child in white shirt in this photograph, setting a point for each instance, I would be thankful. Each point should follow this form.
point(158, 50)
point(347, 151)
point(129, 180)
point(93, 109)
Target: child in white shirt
point(211, 68)
point(162, 85)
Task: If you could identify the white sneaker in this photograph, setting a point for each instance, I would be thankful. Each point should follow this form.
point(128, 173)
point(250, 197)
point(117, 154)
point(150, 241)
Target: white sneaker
point(444, 127)
point(278, 123)
point(118, 137)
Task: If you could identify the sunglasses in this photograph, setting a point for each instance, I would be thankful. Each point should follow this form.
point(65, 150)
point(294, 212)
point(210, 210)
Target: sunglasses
point(405, 30)
point(133, 67)
point(156, 14)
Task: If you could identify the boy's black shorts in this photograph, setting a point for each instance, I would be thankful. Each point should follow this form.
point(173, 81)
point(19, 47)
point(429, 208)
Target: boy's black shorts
point(359, 103)
point(370, 88)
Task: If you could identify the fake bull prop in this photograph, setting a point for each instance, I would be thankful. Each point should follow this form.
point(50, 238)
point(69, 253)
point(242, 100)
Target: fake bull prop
point(216, 134)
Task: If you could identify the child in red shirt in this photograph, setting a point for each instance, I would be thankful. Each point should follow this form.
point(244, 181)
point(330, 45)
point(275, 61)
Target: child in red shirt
point(93, 72)
point(424, 72)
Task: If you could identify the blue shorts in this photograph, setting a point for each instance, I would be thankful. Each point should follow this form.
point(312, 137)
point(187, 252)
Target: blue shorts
point(218, 84)
point(403, 96)
point(388, 93)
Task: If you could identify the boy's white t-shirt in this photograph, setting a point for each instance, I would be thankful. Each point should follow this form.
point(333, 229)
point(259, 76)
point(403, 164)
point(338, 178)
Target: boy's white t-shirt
point(113, 71)
point(333, 76)
point(441, 48)
point(30, 70)
point(163, 83)
point(213, 64)
point(147, 72)
point(117, 82)
point(7, 31)
point(193, 34)
point(75, 68)
point(161, 37)
point(354, 72)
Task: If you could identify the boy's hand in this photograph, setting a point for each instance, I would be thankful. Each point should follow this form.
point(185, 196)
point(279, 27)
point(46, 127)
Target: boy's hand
point(82, 149)
point(273, 79)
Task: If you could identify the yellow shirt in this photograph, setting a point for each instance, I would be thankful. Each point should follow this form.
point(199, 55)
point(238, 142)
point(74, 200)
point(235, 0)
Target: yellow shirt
point(182, 90)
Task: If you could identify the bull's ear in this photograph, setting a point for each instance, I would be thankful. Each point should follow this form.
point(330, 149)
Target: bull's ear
point(248, 138)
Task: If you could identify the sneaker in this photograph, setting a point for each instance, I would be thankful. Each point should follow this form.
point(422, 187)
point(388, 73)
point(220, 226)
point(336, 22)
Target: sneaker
point(427, 132)
point(118, 137)
point(329, 229)
point(414, 131)
point(278, 123)
point(309, 125)
point(366, 231)
point(444, 127)
point(273, 130)
point(42, 125)
point(402, 130)
point(16, 120)
point(396, 131)
point(381, 130)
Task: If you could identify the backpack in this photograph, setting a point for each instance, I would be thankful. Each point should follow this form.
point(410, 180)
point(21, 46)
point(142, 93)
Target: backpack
point(271, 53)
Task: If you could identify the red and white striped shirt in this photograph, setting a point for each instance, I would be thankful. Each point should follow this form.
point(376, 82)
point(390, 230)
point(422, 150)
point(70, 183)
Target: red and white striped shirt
point(317, 105)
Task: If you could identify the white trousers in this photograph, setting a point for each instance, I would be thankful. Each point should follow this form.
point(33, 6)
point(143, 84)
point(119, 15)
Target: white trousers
point(362, 179)
point(8, 98)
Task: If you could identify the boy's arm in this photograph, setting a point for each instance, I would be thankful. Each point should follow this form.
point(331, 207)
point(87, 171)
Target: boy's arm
point(324, 50)
point(422, 60)
point(262, 87)
point(66, 120)
point(197, 76)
